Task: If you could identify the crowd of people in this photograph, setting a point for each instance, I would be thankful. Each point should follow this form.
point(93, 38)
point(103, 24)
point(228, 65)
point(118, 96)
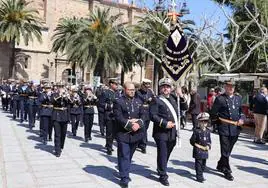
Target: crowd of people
point(124, 115)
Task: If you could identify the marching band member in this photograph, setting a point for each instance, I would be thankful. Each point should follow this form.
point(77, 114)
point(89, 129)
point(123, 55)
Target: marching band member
point(60, 117)
point(46, 113)
point(75, 109)
point(32, 103)
point(89, 100)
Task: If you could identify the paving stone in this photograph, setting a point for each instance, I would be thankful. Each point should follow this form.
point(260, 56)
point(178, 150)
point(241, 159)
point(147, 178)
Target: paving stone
point(27, 163)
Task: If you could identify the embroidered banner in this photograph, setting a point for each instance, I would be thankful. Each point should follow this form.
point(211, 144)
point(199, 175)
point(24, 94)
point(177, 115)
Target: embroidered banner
point(177, 58)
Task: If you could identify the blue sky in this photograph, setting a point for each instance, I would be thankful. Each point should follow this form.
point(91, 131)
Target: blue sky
point(199, 8)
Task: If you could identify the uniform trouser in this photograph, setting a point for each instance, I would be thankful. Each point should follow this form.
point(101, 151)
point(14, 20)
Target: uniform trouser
point(15, 109)
point(45, 127)
point(144, 141)
point(60, 129)
point(200, 165)
point(75, 119)
point(101, 121)
point(183, 118)
point(11, 104)
point(109, 133)
point(32, 110)
point(5, 103)
point(125, 153)
point(88, 123)
point(23, 110)
point(260, 125)
point(226, 144)
point(194, 120)
point(164, 149)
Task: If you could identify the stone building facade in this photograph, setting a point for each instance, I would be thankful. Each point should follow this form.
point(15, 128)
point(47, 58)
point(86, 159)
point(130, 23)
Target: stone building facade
point(36, 61)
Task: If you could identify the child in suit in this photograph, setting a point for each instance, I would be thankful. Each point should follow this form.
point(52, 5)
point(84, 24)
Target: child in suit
point(201, 143)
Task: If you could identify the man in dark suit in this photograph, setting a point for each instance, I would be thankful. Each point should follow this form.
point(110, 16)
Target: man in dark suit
point(129, 129)
point(164, 114)
point(145, 94)
point(260, 108)
point(194, 108)
point(106, 102)
point(227, 112)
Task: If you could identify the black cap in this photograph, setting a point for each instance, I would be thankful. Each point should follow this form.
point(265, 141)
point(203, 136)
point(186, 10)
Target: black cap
point(113, 81)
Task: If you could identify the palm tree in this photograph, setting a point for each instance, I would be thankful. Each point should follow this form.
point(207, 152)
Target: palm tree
point(93, 42)
point(18, 20)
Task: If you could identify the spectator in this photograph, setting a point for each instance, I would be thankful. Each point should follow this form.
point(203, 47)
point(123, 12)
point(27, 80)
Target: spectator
point(194, 108)
point(260, 107)
point(187, 97)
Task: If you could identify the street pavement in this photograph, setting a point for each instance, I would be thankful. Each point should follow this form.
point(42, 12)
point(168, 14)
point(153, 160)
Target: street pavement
point(25, 162)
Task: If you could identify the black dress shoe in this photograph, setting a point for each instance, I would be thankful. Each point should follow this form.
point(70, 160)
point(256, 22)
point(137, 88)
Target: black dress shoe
point(86, 140)
point(123, 184)
point(259, 141)
point(143, 150)
point(229, 176)
point(109, 152)
point(57, 154)
point(164, 182)
point(74, 134)
point(200, 179)
point(90, 138)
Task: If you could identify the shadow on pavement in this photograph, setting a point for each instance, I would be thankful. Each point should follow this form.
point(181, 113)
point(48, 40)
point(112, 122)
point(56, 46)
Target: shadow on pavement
point(254, 170)
point(105, 172)
point(250, 159)
point(97, 147)
point(191, 165)
point(47, 148)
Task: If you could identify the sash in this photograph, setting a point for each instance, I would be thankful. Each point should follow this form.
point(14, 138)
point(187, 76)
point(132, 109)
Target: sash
point(175, 117)
point(171, 108)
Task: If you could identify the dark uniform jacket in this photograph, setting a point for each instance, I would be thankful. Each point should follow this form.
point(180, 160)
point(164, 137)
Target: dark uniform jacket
point(60, 108)
point(201, 137)
point(88, 104)
point(46, 104)
point(227, 108)
point(14, 93)
point(32, 96)
point(23, 93)
point(106, 102)
point(195, 103)
point(260, 104)
point(146, 98)
point(124, 110)
point(75, 104)
point(160, 115)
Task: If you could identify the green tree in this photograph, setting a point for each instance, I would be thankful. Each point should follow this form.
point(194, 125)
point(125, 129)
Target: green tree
point(93, 42)
point(18, 20)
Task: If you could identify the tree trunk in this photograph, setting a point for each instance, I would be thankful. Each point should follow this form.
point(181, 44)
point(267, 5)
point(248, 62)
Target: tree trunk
point(11, 73)
point(156, 76)
point(122, 76)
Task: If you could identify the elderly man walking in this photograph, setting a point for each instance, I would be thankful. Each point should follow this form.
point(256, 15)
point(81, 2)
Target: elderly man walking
point(260, 107)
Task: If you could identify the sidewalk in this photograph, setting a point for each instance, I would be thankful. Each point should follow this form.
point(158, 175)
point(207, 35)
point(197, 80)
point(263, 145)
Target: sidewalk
point(25, 162)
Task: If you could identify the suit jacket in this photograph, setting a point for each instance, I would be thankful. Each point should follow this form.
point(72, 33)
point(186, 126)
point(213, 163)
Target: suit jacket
point(227, 108)
point(124, 110)
point(260, 104)
point(195, 104)
point(160, 114)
